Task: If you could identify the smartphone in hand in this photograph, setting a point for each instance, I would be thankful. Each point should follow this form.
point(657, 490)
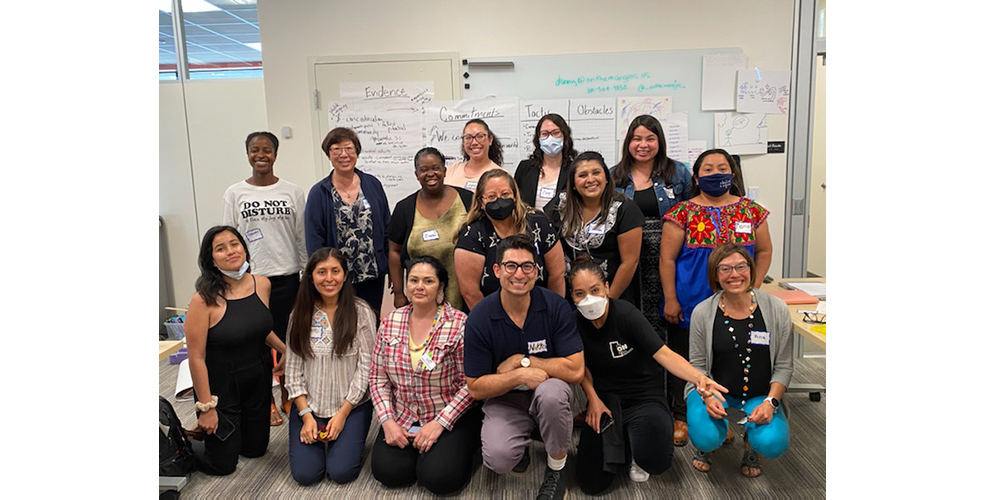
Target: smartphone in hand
point(605, 422)
point(225, 427)
point(414, 429)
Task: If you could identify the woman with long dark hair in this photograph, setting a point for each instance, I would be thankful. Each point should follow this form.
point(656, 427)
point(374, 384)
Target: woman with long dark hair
point(227, 329)
point(331, 337)
point(482, 152)
point(656, 183)
point(591, 217)
point(545, 173)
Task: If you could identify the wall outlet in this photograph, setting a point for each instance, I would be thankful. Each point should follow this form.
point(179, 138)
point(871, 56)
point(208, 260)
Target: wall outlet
point(752, 192)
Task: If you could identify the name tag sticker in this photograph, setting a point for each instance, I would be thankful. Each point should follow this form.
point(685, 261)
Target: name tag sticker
point(546, 192)
point(759, 338)
point(593, 229)
point(743, 227)
point(669, 191)
point(471, 185)
point(428, 363)
point(316, 332)
point(365, 203)
point(537, 346)
point(254, 235)
point(430, 235)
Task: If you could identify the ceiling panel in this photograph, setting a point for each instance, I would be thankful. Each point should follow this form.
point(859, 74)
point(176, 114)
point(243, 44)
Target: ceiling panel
point(214, 37)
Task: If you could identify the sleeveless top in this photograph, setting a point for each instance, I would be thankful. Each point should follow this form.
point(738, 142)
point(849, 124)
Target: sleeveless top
point(238, 340)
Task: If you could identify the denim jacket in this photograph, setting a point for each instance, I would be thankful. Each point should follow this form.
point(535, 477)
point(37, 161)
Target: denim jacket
point(681, 188)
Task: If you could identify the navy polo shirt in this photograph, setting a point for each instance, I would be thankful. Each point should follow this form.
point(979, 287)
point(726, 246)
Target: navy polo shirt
point(549, 331)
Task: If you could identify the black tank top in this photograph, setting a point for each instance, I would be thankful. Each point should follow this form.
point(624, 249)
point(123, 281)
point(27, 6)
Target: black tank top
point(238, 339)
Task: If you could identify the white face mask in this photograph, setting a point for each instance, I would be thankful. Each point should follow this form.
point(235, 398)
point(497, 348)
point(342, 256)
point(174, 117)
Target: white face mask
point(551, 145)
point(592, 307)
point(236, 275)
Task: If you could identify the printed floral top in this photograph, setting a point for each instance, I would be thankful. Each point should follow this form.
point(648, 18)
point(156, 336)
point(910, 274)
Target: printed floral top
point(355, 226)
point(705, 228)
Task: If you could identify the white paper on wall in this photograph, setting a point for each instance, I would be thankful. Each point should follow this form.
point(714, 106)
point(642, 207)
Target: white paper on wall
point(531, 112)
point(741, 133)
point(593, 127)
point(718, 75)
point(390, 134)
point(761, 91)
point(694, 149)
point(445, 120)
point(629, 108)
point(675, 129)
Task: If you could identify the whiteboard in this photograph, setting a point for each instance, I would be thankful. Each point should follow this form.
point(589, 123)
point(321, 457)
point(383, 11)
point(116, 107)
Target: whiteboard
point(673, 73)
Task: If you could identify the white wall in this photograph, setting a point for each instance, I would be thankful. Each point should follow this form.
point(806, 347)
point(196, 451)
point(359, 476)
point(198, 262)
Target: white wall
point(292, 31)
point(199, 158)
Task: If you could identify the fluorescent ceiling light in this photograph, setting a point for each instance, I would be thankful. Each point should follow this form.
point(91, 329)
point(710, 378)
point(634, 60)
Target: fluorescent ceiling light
point(254, 46)
point(188, 6)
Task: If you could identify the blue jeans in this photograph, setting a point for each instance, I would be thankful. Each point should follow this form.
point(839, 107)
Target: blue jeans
point(338, 460)
point(708, 433)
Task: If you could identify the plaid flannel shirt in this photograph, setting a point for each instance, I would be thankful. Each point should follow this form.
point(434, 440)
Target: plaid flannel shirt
point(409, 396)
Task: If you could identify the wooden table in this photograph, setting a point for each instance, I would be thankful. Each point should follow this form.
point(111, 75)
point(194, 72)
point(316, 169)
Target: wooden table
point(169, 347)
point(804, 329)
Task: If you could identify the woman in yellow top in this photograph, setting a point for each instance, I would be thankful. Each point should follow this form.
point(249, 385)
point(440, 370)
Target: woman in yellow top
point(426, 223)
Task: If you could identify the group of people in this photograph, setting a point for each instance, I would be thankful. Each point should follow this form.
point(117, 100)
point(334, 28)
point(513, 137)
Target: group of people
point(510, 291)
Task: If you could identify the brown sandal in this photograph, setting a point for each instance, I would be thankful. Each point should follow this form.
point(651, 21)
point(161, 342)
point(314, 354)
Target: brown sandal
point(680, 433)
point(275, 418)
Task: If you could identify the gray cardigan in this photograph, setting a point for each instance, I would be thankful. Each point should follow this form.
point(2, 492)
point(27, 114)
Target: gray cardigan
point(777, 318)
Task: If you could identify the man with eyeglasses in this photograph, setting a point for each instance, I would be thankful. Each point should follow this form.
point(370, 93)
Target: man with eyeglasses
point(522, 353)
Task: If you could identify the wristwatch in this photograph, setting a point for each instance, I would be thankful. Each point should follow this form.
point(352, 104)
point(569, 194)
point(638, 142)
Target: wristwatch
point(525, 362)
point(775, 403)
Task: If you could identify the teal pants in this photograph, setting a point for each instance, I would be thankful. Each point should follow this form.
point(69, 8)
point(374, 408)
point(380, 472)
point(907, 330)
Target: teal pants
point(708, 433)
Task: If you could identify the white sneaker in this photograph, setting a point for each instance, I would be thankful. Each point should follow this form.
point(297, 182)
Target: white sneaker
point(637, 474)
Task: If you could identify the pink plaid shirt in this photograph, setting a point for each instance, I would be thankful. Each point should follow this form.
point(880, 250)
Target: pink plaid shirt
point(407, 396)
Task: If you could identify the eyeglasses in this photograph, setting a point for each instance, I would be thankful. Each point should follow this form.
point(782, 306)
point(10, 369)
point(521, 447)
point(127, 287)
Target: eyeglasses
point(815, 317)
point(489, 198)
point(479, 137)
point(556, 134)
point(335, 150)
point(527, 267)
point(740, 268)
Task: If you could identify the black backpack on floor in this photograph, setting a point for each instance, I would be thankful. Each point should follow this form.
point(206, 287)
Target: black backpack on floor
point(176, 450)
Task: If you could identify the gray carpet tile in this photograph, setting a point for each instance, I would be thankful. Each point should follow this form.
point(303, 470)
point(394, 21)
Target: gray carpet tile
point(800, 473)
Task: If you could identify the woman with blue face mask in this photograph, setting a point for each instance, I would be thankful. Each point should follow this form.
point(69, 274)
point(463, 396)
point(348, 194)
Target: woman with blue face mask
point(545, 173)
point(624, 370)
point(716, 214)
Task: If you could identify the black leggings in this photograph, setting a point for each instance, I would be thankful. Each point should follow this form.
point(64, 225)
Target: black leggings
point(244, 399)
point(446, 468)
point(648, 431)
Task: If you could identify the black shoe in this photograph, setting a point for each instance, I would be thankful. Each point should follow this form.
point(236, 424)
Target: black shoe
point(553, 486)
point(521, 467)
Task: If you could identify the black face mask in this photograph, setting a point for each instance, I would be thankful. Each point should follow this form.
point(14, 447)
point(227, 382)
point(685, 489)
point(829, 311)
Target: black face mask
point(501, 209)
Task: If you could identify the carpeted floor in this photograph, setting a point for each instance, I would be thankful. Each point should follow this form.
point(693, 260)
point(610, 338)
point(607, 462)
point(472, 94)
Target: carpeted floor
point(800, 473)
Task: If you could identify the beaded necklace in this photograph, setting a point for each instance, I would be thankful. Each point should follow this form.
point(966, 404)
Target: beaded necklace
point(410, 340)
point(743, 359)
